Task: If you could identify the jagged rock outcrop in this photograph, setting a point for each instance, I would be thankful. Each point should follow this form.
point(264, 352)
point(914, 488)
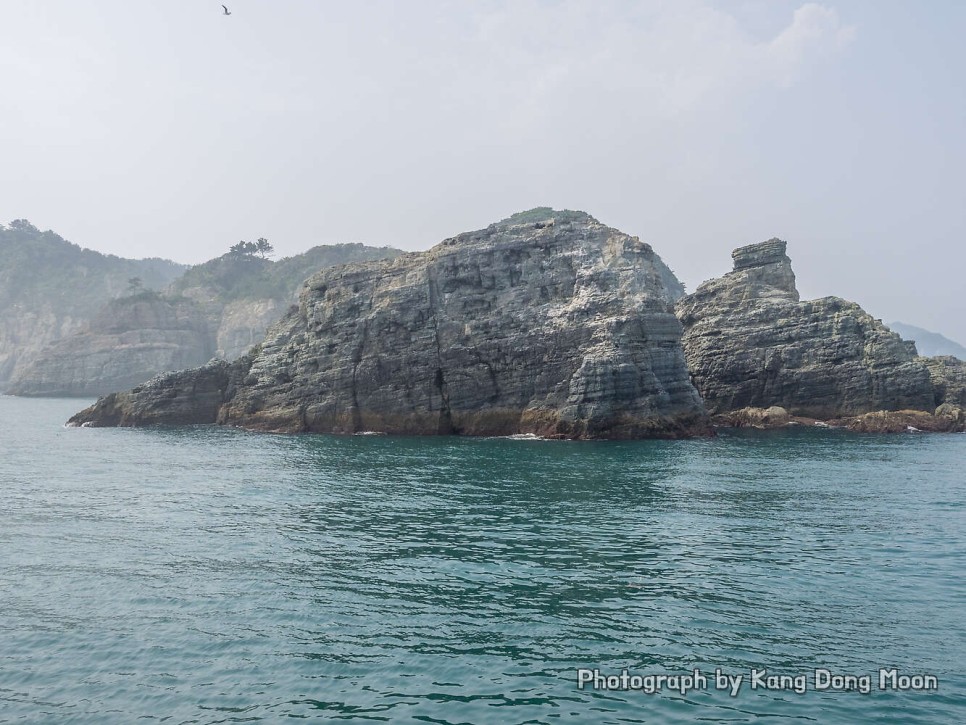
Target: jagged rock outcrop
point(129, 341)
point(948, 376)
point(548, 323)
point(185, 397)
point(751, 342)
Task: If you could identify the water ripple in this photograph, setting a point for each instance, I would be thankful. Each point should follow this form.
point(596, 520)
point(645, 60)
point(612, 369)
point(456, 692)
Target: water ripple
point(205, 575)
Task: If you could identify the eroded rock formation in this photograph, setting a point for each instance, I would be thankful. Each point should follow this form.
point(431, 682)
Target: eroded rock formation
point(948, 376)
point(751, 342)
point(549, 323)
point(183, 397)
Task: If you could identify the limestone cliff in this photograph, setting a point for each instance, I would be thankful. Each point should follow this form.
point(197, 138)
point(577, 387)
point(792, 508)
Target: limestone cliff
point(548, 323)
point(243, 324)
point(27, 328)
point(129, 341)
point(751, 342)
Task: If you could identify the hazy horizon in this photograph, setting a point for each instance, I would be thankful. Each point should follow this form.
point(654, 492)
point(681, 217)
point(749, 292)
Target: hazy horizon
point(170, 130)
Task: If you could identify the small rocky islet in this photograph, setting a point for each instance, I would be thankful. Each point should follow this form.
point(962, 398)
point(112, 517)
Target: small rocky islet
point(553, 324)
point(760, 356)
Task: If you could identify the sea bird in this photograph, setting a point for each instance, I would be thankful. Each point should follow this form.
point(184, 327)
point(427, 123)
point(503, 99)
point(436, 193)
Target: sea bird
point(227, 11)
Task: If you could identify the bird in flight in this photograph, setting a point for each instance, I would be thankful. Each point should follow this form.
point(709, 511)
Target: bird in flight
point(227, 11)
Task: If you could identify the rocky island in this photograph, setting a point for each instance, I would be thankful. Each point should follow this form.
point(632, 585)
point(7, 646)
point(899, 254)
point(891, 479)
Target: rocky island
point(550, 323)
point(547, 323)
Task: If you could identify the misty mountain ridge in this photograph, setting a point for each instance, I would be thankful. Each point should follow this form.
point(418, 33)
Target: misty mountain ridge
point(232, 277)
point(81, 276)
point(928, 343)
point(50, 288)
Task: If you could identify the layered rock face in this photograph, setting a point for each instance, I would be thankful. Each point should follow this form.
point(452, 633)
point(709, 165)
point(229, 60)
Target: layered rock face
point(557, 326)
point(26, 330)
point(183, 397)
point(129, 341)
point(751, 343)
point(948, 375)
point(244, 323)
point(134, 338)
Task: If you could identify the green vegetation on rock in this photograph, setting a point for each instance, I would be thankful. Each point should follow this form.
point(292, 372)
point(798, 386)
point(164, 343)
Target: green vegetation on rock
point(243, 276)
point(546, 213)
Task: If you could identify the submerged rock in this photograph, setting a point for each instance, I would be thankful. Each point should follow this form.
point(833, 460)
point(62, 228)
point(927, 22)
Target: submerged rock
point(547, 323)
point(750, 342)
point(773, 417)
point(905, 421)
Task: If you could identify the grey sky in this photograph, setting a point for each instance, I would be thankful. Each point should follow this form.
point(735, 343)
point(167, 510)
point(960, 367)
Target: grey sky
point(167, 129)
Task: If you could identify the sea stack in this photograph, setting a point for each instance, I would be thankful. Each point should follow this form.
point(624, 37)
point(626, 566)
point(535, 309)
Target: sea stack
point(750, 342)
point(547, 323)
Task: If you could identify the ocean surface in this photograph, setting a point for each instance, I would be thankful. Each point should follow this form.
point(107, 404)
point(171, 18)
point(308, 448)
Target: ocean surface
point(205, 575)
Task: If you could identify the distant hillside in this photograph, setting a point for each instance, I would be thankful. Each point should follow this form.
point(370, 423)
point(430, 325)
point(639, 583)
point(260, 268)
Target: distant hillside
point(243, 294)
point(50, 288)
point(36, 264)
point(929, 344)
point(219, 308)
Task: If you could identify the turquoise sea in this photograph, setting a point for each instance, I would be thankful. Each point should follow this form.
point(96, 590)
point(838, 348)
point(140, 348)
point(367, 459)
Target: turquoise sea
point(205, 575)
